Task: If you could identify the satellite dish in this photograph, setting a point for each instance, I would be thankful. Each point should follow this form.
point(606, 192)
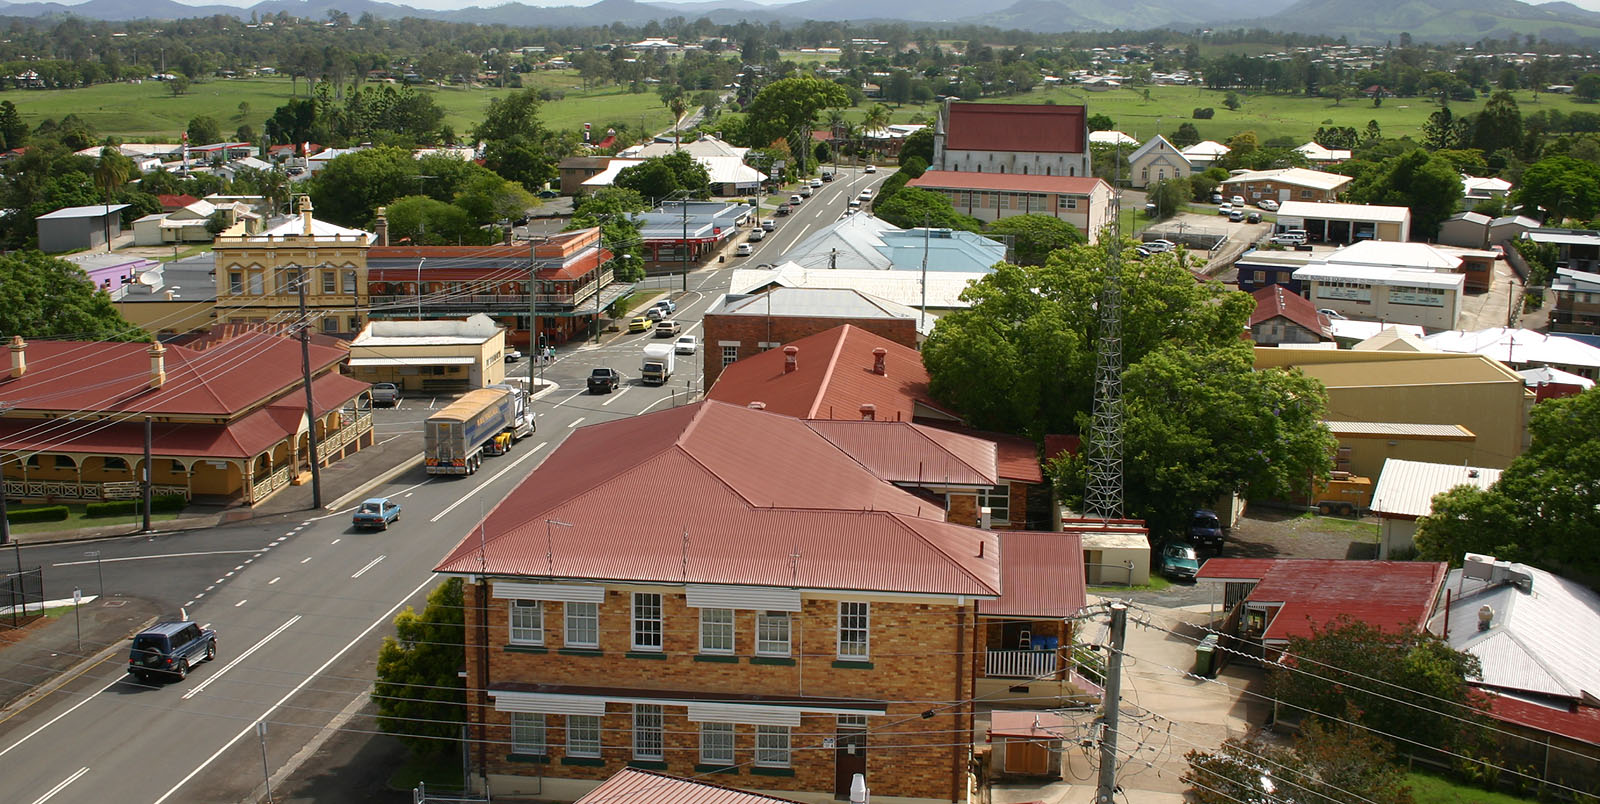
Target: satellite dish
point(150, 278)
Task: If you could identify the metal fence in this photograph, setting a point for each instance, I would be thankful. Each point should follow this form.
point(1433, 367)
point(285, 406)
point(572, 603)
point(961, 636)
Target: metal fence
point(22, 597)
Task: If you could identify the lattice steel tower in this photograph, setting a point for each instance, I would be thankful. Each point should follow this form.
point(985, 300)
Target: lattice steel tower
point(1103, 496)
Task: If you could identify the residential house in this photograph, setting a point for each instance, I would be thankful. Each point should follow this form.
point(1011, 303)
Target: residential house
point(1283, 317)
point(1344, 224)
point(1034, 140)
point(431, 356)
point(1405, 493)
point(1084, 202)
point(1578, 249)
point(1477, 190)
point(1205, 153)
point(1522, 348)
point(191, 224)
point(776, 624)
point(1113, 138)
point(172, 202)
point(1157, 160)
point(1315, 153)
point(1286, 184)
point(1577, 301)
point(740, 325)
point(77, 228)
point(229, 420)
point(724, 164)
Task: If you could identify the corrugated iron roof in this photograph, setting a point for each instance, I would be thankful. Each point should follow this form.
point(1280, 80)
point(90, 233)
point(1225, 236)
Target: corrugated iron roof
point(1273, 301)
point(1016, 127)
point(1448, 432)
point(1016, 457)
point(1407, 488)
point(1312, 592)
point(634, 786)
point(902, 452)
point(1579, 723)
point(1028, 725)
point(714, 493)
point(1041, 575)
point(1019, 182)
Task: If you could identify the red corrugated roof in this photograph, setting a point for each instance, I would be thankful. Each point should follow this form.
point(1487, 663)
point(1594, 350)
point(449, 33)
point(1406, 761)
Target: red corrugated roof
point(833, 378)
point(716, 493)
point(1041, 575)
point(1029, 725)
point(633, 786)
point(1580, 723)
point(1016, 127)
point(1273, 301)
point(502, 251)
point(1016, 457)
point(220, 381)
point(902, 452)
point(1390, 595)
point(1015, 182)
point(175, 200)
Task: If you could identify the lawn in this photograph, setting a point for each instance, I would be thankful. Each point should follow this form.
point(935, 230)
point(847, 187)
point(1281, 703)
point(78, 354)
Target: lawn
point(1427, 788)
point(75, 519)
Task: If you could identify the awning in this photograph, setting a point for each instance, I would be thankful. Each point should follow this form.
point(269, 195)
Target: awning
point(608, 294)
point(412, 361)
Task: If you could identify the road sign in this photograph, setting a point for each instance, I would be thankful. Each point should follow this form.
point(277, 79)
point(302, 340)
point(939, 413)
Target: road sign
point(120, 490)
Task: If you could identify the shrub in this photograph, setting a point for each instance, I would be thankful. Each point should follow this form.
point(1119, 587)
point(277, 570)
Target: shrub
point(160, 504)
point(1205, 113)
point(53, 513)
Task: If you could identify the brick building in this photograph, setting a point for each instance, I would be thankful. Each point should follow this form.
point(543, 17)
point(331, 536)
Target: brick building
point(777, 625)
point(1285, 184)
point(1282, 316)
point(742, 325)
point(1033, 140)
point(1083, 201)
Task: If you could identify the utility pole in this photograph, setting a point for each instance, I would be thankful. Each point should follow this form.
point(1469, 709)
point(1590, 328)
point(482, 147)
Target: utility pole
point(534, 345)
point(149, 480)
point(685, 203)
point(311, 408)
point(1110, 704)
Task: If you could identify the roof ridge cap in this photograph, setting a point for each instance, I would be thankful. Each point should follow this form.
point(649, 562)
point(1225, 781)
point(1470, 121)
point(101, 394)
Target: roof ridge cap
point(899, 518)
point(923, 432)
point(827, 374)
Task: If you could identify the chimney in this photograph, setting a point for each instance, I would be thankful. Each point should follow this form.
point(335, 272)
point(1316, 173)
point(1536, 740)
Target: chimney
point(757, 406)
point(985, 520)
point(791, 358)
point(169, 294)
point(880, 358)
point(869, 411)
point(158, 365)
point(305, 214)
point(19, 356)
point(381, 228)
point(1485, 617)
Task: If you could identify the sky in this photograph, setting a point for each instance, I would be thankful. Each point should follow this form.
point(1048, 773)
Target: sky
point(452, 5)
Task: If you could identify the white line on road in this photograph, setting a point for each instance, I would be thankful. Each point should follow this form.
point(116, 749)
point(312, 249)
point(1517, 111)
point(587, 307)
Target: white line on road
point(241, 603)
point(370, 565)
point(481, 486)
point(618, 395)
point(304, 560)
point(274, 580)
point(58, 788)
point(569, 399)
point(381, 620)
point(241, 657)
point(51, 721)
point(334, 542)
point(142, 558)
point(576, 422)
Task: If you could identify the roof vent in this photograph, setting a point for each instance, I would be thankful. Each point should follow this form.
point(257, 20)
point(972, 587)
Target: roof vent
point(757, 406)
point(1485, 617)
point(880, 360)
point(19, 356)
point(791, 358)
point(869, 411)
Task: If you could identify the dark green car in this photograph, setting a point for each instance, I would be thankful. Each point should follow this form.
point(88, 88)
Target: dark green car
point(1179, 560)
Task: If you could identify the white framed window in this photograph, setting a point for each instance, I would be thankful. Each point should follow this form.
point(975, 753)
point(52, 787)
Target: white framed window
point(716, 630)
point(998, 501)
point(772, 746)
point(853, 640)
point(347, 280)
point(646, 621)
point(716, 743)
point(646, 731)
point(772, 633)
point(528, 734)
point(583, 625)
point(527, 622)
point(583, 735)
point(851, 721)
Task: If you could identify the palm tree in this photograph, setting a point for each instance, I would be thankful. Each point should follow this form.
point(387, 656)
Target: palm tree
point(112, 172)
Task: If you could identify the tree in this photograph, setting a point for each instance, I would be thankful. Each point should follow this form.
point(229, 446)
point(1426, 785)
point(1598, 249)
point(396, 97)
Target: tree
point(1543, 510)
point(43, 297)
point(913, 167)
point(1186, 135)
point(1499, 125)
point(912, 207)
point(516, 144)
point(427, 222)
point(784, 109)
point(204, 130)
point(13, 131)
point(217, 223)
point(612, 209)
point(1562, 186)
point(662, 176)
point(1232, 102)
point(1034, 237)
point(178, 85)
point(352, 186)
point(918, 143)
point(1424, 182)
point(419, 694)
point(1588, 87)
point(1372, 134)
point(1326, 764)
point(1101, 122)
point(1410, 684)
point(488, 198)
point(1169, 195)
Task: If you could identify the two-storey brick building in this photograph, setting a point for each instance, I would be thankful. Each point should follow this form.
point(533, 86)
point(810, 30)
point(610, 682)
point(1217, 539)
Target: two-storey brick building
point(746, 324)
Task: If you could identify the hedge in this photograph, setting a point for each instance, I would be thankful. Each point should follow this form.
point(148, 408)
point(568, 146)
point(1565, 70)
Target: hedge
point(162, 504)
point(54, 513)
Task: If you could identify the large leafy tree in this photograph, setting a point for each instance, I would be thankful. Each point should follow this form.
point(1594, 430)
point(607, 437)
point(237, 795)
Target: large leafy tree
point(516, 143)
point(918, 143)
point(351, 187)
point(424, 221)
point(1326, 764)
point(1499, 125)
point(1545, 509)
point(1426, 183)
point(1034, 237)
point(785, 109)
point(911, 207)
point(614, 209)
point(1562, 186)
point(662, 176)
point(419, 693)
point(43, 297)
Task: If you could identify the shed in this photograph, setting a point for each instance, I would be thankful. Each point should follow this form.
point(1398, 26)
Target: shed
point(77, 228)
point(1405, 493)
point(1027, 743)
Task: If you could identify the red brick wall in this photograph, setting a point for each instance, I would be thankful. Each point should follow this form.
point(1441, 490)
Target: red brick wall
point(914, 658)
point(751, 330)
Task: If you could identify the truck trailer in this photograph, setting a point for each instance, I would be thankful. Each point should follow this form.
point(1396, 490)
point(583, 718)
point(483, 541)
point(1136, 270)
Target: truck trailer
point(482, 422)
point(659, 361)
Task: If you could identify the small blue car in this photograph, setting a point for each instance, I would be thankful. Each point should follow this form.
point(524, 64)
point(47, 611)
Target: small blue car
point(377, 512)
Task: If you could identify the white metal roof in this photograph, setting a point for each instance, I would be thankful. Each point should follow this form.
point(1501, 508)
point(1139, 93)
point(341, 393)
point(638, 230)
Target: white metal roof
point(1564, 238)
point(905, 287)
point(1390, 254)
point(1206, 149)
point(1299, 177)
point(1409, 277)
point(412, 361)
point(1407, 488)
point(91, 211)
point(1574, 279)
point(1399, 429)
point(1361, 330)
point(1545, 375)
point(1365, 213)
point(1517, 346)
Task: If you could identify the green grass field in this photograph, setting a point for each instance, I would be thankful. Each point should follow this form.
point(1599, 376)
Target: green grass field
point(1427, 788)
point(149, 110)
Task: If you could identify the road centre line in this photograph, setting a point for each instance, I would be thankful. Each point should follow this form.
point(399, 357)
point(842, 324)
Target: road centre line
point(481, 486)
point(58, 788)
point(618, 395)
point(143, 558)
point(576, 422)
point(198, 688)
point(370, 565)
point(51, 721)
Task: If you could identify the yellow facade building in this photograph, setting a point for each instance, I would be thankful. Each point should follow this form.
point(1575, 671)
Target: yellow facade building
point(255, 274)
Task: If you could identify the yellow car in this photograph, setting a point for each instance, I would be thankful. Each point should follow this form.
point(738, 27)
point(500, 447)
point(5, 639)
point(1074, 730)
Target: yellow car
point(641, 324)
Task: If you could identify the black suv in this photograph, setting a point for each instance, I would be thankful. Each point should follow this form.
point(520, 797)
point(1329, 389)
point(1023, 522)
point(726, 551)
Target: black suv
point(604, 381)
point(171, 648)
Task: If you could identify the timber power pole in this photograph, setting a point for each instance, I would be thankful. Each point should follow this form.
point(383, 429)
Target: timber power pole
point(1111, 703)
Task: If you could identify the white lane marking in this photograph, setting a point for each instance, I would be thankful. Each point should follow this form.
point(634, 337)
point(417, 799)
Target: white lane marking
point(381, 620)
point(144, 558)
point(304, 560)
point(199, 688)
point(576, 422)
point(227, 575)
point(211, 587)
point(568, 399)
point(219, 580)
point(197, 597)
point(334, 542)
point(618, 395)
point(48, 723)
point(529, 454)
point(370, 565)
point(240, 567)
point(58, 788)
point(241, 603)
point(274, 580)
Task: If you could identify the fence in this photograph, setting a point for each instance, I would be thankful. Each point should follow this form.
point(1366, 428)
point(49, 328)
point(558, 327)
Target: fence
point(1192, 236)
point(22, 599)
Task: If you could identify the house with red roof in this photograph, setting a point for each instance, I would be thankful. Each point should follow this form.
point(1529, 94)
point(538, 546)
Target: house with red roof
point(717, 590)
point(172, 202)
point(1027, 139)
point(229, 421)
point(1285, 317)
point(1083, 201)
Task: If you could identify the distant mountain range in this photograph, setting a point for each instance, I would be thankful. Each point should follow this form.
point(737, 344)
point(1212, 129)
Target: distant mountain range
point(1361, 20)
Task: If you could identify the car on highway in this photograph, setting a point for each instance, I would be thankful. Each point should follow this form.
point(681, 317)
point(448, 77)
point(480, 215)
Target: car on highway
point(655, 313)
point(386, 394)
point(872, 168)
point(816, 183)
point(1179, 560)
point(757, 235)
point(171, 648)
point(743, 250)
point(376, 512)
point(855, 203)
point(667, 305)
point(667, 329)
point(604, 380)
point(641, 323)
point(827, 175)
point(865, 195)
point(685, 345)
point(1268, 204)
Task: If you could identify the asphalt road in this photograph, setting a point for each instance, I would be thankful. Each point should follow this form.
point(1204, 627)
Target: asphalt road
point(301, 602)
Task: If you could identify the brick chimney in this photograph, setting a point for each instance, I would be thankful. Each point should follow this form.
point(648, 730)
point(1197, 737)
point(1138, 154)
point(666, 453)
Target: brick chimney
point(791, 358)
point(880, 358)
point(19, 356)
point(158, 365)
point(869, 411)
point(305, 215)
point(380, 228)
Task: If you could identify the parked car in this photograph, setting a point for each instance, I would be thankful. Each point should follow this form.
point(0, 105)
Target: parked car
point(1150, 208)
point(795, 200)
point(1499, 250)
point(865, 195)
point(1236, 215)
point(783, 209)
point(1268, 204)
point(1179, 560)
point(1205, 529)
point(386, 394)
point(872, 168)
point(1331, 313)
point(604, 380)
point(171, 648)
point(685, 345)
point(756, 235)
point(667, 329)
point(376, 512)
point(855, 203)
point(769, 225)
point(816, 182)
point(1224, 208)
point(1216, 198)
point(641, 323)
point(1237, 200)
point(668, 305)
point(1159, 245)
point(743, 250)
point(805, 191)
point(1254, 217)
point(1289, 238)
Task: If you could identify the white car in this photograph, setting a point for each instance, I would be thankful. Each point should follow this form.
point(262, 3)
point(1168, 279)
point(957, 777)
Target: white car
point(685, 345)
point(1331, 313)
point(1160, 246)
point(865, 195)
point(1237, 200)
point(816, 183)
point(757, 234)
point(872, 168)
point(742, 250)
point(1225, 208)
point(1268, 205)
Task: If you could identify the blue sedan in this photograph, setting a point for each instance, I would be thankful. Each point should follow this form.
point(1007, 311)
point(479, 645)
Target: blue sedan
point(377, 512)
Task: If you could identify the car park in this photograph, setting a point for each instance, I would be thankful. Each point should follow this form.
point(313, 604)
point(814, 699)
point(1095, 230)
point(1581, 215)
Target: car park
point(604, 380)
point(171, 648)
point(685, 345)
point(769, 225)
point(756, 235)
point(743, 250)
point(1268, 204)
point(641, 323)
point(376, 512)
point(1179, 560)
point(667, 329)
point(386, 394)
